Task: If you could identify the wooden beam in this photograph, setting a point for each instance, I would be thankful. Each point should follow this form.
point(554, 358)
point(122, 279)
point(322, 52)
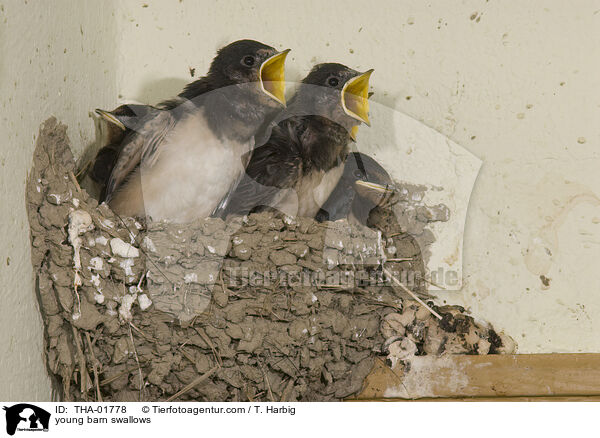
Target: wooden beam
point(520, 376)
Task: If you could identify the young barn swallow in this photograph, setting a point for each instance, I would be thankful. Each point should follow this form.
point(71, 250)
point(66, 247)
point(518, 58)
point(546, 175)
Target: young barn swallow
point(179, 161)
point(363, 185)
point(116, 125)
point(304, 142)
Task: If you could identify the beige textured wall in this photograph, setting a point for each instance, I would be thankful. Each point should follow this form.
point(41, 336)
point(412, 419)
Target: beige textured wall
point(513, 82)
point(56, 57)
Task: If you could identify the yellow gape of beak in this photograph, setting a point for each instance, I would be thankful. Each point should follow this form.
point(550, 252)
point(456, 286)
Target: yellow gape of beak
point(355, 97)
point(377, 193)
point(110, 118)
point(272, 76)
point(354, 132)
point(378, 188)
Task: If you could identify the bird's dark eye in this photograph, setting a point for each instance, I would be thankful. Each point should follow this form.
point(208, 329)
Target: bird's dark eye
point(248, 61)
point(333, 82)
point(358, 174)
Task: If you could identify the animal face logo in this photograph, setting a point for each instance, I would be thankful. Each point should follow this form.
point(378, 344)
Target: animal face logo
point(26, 417)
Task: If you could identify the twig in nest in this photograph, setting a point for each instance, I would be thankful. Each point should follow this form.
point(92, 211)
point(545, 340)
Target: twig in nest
point(194, 383)
point(411, 293)
point(84, 383)
point(336, 286)
point(434, 284)
point(285, 356)
point(374, 302)
point(286, 391)
point(75, 286)
point(226, 290)
point(74, 180)
point(262, 315)
point(206, 339)
point(266, 378)
point(94, 366)
point(84, 168)
point(146, 337)
point(137, 360)
point(253, 397)
point(401, 259)
point(187, 355)
point(116, 376)
point(279, 318)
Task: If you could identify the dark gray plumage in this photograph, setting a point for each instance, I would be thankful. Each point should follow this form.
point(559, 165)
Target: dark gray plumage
point(304, 143)
point(363, 185)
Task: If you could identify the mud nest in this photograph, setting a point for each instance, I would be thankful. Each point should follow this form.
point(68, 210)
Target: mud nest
point(263, 308)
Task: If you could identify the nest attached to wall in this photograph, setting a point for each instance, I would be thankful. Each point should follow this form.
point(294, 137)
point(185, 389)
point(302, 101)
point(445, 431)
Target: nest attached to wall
point(262, 308)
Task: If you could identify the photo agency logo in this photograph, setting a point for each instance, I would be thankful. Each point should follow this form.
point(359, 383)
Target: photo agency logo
point(244, 277)
point(25, 417)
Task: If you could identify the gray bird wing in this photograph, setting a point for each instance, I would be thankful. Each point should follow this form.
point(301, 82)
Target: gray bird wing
point(143, 144)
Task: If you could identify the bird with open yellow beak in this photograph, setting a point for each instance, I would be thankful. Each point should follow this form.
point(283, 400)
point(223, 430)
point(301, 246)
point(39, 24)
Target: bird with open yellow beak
point(300, 159)
point(179, 161)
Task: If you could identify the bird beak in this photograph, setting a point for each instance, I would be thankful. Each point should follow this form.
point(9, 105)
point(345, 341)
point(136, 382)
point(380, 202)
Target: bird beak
point(272, 76)
point(377, 193)
point(379, 188)
point(354, 133)
point(355, 97)
point(110, 118)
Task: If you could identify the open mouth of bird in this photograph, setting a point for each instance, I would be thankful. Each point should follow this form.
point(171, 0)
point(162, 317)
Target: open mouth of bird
point(110, 118)
point(272, 76)
point(378, 193)
point(355, 97)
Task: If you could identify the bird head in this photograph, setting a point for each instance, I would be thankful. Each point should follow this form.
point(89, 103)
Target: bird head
point(370, 180)
point(125, 116)
point(338, 92)
point(251, 62)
